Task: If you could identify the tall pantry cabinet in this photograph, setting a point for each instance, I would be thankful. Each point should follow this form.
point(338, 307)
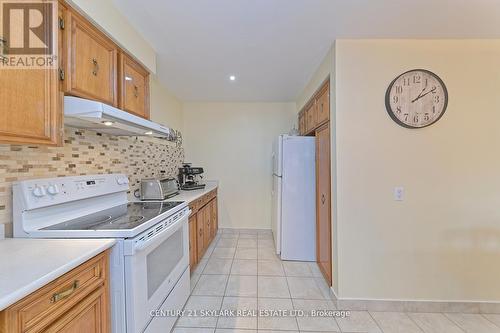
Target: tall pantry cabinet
point(314, 120)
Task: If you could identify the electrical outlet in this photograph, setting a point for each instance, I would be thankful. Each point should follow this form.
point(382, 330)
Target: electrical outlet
point(399, 193)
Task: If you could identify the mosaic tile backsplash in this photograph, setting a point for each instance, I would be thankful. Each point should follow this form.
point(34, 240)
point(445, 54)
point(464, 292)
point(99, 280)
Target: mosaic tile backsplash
point(84, 153)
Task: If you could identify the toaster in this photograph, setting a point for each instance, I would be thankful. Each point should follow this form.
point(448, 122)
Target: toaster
point(158, 189)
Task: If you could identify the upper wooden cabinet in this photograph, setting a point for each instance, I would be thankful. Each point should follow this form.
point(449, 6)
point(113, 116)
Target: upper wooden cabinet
point(133, 85)
point(316, 112)
point(323, 104)
point(30, 107)
point(30, 104)
point(91, 61)
point(311, 117)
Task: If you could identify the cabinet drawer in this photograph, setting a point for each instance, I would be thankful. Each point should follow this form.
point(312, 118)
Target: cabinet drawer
point(36, 311)
point(194, 206)
point(88, 316)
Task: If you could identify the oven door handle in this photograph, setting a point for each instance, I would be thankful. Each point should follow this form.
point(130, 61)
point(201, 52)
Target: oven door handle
point(133, 246)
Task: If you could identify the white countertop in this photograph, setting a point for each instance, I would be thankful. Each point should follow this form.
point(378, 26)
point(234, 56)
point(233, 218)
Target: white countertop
point(192, 195)
point(28, 264)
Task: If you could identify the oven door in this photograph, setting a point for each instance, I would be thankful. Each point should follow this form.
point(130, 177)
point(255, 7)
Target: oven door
point(152, 269)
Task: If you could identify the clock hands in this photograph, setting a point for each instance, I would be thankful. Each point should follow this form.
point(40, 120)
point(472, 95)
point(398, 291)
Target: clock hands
point(433, 90)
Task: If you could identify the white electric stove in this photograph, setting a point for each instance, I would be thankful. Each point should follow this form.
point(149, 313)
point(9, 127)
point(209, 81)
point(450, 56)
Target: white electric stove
point(149, 265)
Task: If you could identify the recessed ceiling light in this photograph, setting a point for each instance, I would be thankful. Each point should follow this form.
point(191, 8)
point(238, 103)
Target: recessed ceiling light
point(108, 123)
point(232, 77)
point(149, 133)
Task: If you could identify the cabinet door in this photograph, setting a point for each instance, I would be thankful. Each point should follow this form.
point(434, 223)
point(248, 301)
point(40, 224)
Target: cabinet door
point(200, 234)
point(133, 85)
point(323, 104)
point(30, 105)
point(92, 62)
point(311, 117)
point(323, 203)
point(88, 316)
point(207, 217)
point(193, 253)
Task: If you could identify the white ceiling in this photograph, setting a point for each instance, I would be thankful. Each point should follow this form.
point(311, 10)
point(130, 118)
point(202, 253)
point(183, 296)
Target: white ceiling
point(274, 46)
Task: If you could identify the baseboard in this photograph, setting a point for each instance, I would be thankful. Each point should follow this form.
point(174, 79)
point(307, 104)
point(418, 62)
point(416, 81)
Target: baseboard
point(415, 305)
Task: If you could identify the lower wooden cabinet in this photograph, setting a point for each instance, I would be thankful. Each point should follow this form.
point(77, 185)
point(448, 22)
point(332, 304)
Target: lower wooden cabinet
point(203, 226)
point(78, 301)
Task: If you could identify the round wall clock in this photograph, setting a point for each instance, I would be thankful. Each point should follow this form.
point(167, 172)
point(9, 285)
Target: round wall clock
point(416, 99)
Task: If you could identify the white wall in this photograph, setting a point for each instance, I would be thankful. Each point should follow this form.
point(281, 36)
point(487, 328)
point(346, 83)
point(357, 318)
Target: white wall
point(166, 108)
point(233, 142)
point(443, 241)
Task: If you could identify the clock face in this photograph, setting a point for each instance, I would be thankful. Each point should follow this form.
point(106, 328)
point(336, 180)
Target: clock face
point(416, 99)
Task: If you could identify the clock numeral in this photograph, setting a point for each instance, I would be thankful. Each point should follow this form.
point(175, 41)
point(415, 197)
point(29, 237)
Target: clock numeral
point(395, 99)
point(399, 89)
point(398, 110)
point(426, 117)
point(436, 98)
point(406, 81)
point(426, 82)
point(406, 116)
point(415, 119)
point(433, 109)
point(416, 79)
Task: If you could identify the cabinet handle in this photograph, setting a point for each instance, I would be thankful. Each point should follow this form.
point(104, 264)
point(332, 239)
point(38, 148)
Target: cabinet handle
point(323, 199)
point(96, 66)
point(63, 294)
point(136, 91)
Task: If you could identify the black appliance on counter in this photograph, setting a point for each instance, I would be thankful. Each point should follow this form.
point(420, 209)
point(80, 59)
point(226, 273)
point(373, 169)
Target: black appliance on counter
point(190, 177)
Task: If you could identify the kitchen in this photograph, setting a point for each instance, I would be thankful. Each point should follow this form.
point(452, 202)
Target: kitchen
point(162, 162)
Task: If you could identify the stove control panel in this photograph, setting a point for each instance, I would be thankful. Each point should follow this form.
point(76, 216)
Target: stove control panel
point(47, 192)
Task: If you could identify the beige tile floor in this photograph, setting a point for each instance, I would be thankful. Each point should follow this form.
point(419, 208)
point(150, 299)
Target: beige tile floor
point(241, 271)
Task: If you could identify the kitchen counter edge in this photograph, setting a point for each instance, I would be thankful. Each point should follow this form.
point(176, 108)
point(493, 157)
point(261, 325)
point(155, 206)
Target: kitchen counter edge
point(90, 249)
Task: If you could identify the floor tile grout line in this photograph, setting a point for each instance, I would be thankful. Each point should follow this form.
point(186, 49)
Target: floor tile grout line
point(414, 321)
point(225, 289)
point(376, 322)
point(454, 322)
point(491, 321)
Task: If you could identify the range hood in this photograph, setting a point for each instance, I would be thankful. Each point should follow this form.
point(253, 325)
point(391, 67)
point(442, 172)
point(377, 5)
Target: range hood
point(103, 118)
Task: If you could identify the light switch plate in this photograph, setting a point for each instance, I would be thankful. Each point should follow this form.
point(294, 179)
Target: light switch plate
point(399, 193)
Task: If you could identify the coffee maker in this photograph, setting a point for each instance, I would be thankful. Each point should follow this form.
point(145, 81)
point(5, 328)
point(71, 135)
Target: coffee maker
point(190, 177)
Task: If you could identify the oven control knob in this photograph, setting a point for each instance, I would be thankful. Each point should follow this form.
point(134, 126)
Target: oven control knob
point(122, 180)
point(53, 189)
point(39, 191)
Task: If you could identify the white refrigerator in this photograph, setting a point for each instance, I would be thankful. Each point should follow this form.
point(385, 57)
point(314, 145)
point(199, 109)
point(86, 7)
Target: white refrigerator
point(294, 197)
